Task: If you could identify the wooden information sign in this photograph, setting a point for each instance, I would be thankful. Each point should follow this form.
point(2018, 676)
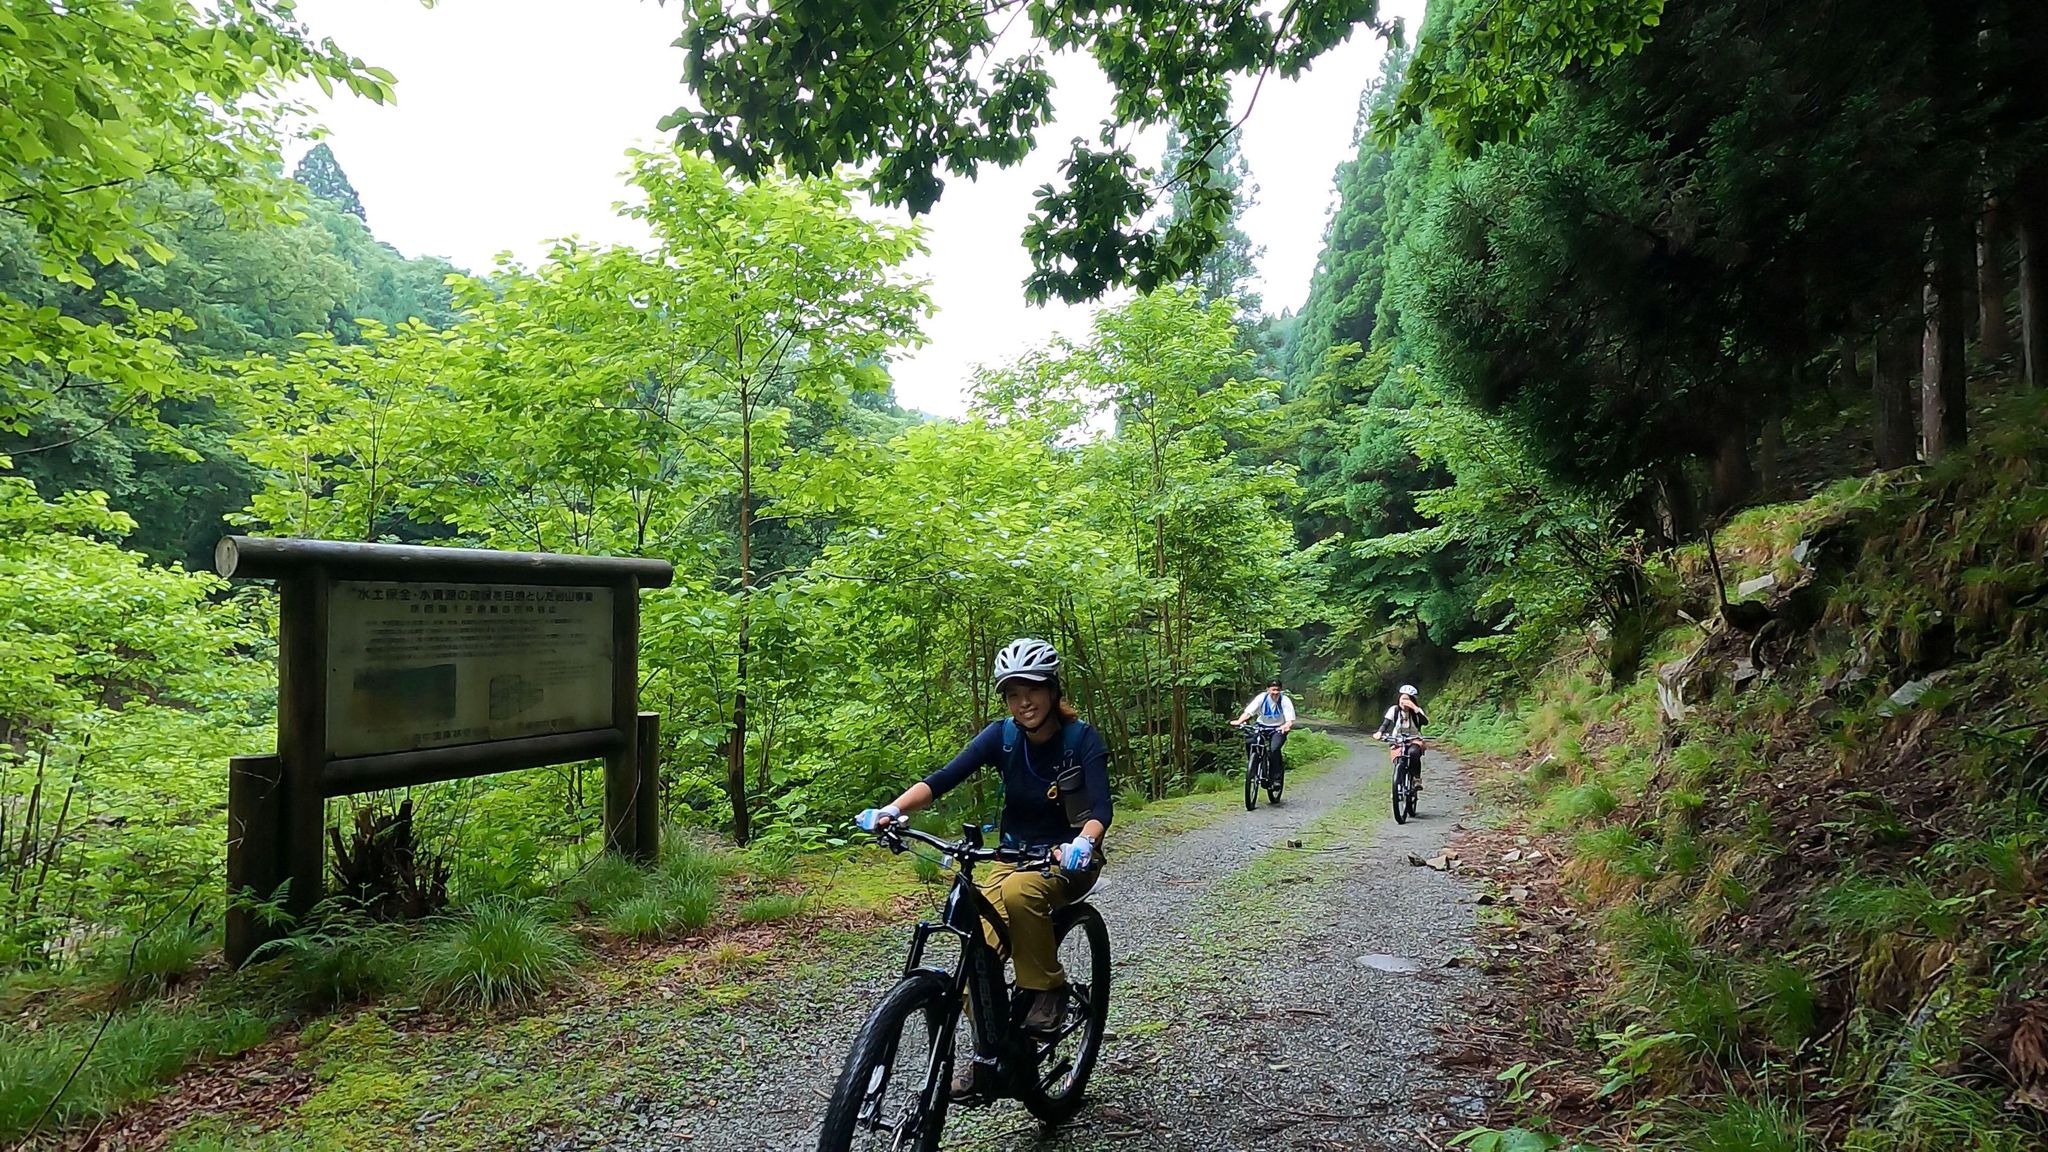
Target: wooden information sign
point(401, 665)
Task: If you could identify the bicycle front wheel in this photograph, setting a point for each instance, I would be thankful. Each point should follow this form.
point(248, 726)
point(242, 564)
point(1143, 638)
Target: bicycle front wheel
point(1403, 806)
point(892, 1093)
point(1251, 781)
point(1051, 1089)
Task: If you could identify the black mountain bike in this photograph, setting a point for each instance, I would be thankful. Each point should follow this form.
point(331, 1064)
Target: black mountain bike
point(1262, 768)
point(1407, 765)
point(895, 1088)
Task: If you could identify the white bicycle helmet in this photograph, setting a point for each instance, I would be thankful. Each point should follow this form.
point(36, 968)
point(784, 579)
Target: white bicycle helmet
point(1409, 690)
point(1026, 659)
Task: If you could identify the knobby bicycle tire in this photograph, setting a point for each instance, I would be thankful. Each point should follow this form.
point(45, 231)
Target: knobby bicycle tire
point(1054, 1108)
point(919, 992)
point(1251, 781)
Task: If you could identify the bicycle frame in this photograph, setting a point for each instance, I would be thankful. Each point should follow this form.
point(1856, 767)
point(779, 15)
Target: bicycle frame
point(1258, 738)
point(978, 978)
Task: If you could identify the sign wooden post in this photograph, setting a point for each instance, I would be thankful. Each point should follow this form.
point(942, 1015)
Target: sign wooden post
point(255, 843)
point(401, 665)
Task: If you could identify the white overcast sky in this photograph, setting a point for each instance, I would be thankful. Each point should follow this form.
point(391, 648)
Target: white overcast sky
point(513, 118)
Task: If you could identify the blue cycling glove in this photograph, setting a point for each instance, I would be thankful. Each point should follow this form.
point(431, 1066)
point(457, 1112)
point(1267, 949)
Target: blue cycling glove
point(1076, 857)
point(873, 818)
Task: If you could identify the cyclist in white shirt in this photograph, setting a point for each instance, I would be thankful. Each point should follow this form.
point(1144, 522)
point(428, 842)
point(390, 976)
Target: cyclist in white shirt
point(1275, 710)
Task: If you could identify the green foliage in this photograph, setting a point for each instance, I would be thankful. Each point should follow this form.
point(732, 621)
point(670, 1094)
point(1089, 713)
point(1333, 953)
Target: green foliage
point(498, 953)
point(931, 869)
point(606, 881)
point(1483, 71)
point(341, 955)
point(1868, 907)
point(679, 895)
point(1741, 1124)
point(1584, 803)
point(695, 902)
point(152, 960)
point(122, 687)
point(649, 915)
point(136, 1048)
point(1195, 181)
point(321, 173)
point(1554, 554)
point(1506, 1140)
point(772, 861)
point(98, 94)
point(775, 906)
point(921, 90)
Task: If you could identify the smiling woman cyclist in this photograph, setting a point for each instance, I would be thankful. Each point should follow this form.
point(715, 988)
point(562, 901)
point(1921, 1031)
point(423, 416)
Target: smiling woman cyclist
point(1055, 795)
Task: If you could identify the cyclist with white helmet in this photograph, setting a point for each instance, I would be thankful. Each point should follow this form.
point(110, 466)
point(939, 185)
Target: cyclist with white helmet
point(1055, 776)
point(1405, 718)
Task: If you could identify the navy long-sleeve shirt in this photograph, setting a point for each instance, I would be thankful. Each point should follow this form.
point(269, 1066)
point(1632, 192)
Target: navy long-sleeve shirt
point(1030, 817)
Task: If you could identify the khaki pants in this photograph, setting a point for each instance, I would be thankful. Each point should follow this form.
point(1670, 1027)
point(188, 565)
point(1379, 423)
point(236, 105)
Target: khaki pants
point(1026, 899)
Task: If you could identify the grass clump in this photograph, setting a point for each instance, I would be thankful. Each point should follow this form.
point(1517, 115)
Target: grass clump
point(498, 953)
point(772, 861)
point(1863, 906)
point(647, 916)
point(927, 867)
point(1212, 782)
point(147, 963)
point(1930, 1112)
point(1584, 804)
point(342, 955)
point(774, 906)
point(1737, 1124)
point(604, 883)
point(665, 907)
point(140, 1047)
point(1498, 734)
point(1682, 987)
point(695, 902)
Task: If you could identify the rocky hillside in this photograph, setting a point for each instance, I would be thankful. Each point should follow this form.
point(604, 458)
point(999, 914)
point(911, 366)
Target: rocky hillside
point(1794, 891)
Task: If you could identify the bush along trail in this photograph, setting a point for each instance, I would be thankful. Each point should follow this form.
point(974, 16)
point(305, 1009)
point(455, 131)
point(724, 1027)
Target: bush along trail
point(1282, 980)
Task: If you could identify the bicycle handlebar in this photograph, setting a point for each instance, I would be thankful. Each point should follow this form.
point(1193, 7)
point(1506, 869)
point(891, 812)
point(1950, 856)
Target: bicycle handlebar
point(893, 835)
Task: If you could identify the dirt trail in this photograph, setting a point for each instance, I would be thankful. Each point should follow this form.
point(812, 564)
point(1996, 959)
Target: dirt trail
point(1265, 997)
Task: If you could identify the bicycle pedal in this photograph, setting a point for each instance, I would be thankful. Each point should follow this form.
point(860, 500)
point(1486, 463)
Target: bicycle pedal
point(975, 1099)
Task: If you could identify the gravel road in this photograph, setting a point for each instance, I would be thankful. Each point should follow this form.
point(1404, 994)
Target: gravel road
point(1264, 997)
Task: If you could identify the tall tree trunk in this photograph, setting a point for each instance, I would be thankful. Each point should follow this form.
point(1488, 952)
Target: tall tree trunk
point(1892, 432)
point(736, 746)
point(2030, 217)
point(1183, 626)
point(1732, 478)
point(1944, 407)
point(1770, 454)
point(1681, 511)
point(1846, 377)
point(1994, 336)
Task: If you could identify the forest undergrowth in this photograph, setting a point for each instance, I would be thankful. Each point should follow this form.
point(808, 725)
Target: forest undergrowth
point(92, 1041)
point(1788, 884)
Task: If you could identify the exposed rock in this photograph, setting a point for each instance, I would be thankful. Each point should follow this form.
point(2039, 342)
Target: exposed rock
point(1762, 584)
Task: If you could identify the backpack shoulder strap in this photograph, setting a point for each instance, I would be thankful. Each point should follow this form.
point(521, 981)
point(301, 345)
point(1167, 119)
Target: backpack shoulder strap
point(1072, 742)
point(1010, 734)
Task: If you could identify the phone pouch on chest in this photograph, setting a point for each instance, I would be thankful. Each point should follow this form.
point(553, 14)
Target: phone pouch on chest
point(1073, 790)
